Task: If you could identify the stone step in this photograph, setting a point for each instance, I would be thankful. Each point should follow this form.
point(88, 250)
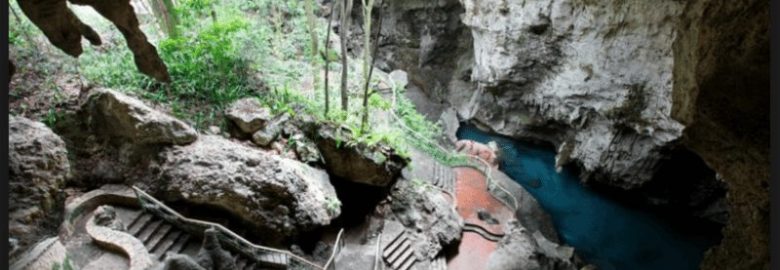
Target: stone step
point(443, 177)
point(274, 260)
point(399, 253)
point(149, 230)
point(166, 243)
point(181, 243)
point(440, 263)
point(158, 235)
point(138, 223)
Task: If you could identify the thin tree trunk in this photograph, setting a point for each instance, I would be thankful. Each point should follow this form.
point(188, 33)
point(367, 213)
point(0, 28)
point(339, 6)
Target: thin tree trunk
point(310, 20)
point(366, 94)
point(344, 33)
point(170, 8)
point(327, 57)
point(164, 11)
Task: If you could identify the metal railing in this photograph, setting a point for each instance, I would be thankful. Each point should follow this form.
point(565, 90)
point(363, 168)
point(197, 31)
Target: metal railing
point(337, 246)
point(230, 238)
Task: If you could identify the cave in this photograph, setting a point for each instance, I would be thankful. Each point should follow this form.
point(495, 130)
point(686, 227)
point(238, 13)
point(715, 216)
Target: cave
point(405, 134)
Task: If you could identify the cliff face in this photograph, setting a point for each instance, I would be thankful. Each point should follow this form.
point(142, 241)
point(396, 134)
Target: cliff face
point(721, 93)
point(615, 85)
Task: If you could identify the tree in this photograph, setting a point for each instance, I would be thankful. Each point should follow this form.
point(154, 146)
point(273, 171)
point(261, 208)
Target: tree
point(310, 20)
point(346, 9)
point(326, 56)
point(166, 15)
point(368, 61)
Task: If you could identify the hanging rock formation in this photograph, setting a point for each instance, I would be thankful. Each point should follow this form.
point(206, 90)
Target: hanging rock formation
point(64, 30)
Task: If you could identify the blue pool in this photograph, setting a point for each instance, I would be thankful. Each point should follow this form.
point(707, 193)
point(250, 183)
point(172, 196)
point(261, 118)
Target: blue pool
point(604, 232)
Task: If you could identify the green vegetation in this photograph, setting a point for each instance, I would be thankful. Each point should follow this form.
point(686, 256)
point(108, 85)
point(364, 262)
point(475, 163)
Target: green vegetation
point(224, 50)
point(65, 265)
point(333, 204)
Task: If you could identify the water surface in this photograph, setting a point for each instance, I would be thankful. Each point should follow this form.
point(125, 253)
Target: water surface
point(607, 234)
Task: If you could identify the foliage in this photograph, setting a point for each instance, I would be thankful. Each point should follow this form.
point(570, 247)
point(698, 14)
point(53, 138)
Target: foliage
point(65, 265)
point(206, 65)
point(332, 204)
point(256, 48)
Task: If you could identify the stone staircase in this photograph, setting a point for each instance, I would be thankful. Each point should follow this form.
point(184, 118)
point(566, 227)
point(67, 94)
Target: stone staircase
point(440, 263)
point(443, 177)
point(399, 253)
point(160, 237)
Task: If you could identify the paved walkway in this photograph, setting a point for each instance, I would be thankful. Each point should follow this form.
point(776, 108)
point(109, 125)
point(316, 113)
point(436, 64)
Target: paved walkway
point(479, 209)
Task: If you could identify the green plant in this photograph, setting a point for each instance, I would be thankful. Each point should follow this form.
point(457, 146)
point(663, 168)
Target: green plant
point(333, 204)
point(51, 117)
point(419, 185)
point(65, 265)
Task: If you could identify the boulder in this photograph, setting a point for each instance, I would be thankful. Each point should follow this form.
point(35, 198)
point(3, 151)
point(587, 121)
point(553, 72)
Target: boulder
point(427, 214)
point(116, 115)
point(519, 250)
point(376, 165)
point(270, 131)
point(248, 114)
point(112, 137)
point(280, 197)
point(38, 168)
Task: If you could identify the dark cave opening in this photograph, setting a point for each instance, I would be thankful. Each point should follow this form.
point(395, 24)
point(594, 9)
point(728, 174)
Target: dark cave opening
point(684, 191)
point(358, 205)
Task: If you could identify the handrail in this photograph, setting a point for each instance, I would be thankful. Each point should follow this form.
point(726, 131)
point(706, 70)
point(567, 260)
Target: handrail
point(144, 196)
point(337, 245)
point(482, 232)
point(487, 165)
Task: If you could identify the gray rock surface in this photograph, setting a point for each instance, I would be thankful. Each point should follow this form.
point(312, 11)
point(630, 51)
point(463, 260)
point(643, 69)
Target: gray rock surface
point(520, 250)
point(248, 114)
point(112, 137)
point(427, 214)
point(566, 71)
point(117, 115)
point(376, 165)
point(268, 133)
point(279, 196)
point(38, 168)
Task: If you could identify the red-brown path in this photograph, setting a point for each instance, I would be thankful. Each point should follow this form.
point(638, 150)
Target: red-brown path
point(472, 196)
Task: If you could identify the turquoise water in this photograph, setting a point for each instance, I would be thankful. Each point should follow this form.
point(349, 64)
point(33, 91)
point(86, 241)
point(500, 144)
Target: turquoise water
point(605, 233)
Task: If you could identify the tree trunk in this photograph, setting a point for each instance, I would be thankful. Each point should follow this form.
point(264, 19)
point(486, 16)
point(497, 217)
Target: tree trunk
point(346, 9)
point(326, 55)
point(366, 94)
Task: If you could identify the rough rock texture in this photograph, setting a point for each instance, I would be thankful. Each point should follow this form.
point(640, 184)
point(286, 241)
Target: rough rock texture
point(615, 85)
point(248, 114)
point(112, 136)
point(64, 30)
point(520, 249)
point(423, 38)
point(117, 115)
point(38, 168)
point(49, 253)
point(428, 215)
point(270, 131)
point(279, 196)
point(376, 165)
point(595, 78)
point(722, 94)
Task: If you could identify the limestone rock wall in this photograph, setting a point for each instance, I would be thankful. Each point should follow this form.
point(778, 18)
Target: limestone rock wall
point(615, 85)
point(39, 168)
